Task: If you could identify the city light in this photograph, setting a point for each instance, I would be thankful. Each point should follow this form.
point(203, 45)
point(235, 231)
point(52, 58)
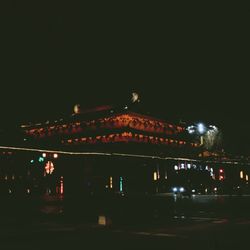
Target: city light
point(241, 174)
point(41, 159)
point(44, 155)
point(135, 97)
point(111, 182)
point(49, 167)
point(155, 176)
point(121, 184)
point(61, 185)
point(55, 155)
point(201, 128)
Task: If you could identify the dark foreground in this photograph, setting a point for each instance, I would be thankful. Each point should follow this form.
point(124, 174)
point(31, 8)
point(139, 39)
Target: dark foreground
point(159, 222)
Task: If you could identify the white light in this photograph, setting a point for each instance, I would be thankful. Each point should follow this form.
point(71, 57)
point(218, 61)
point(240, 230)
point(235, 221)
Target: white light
point(55, 155)
point(213, 127)
point(182, 189)
point(201, 128)
point(182, 166)
point(135, 97)
point(241, 174)
point(44, 155)
point(193, 190)
point(155, 176)
point(175, 167)
point(126, 107)
point(175, 189)
point(215, 189)
point(190, 129)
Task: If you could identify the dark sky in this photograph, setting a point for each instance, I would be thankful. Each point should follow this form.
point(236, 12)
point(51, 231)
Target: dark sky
point(187, 62)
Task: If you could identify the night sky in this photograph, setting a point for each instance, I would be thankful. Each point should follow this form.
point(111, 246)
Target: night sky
point(186, 62)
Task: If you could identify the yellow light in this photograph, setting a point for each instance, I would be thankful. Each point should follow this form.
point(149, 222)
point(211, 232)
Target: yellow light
point(155, 176)
point(241, 174)
point(246, 177)
point(77, 109)
point(110, 182)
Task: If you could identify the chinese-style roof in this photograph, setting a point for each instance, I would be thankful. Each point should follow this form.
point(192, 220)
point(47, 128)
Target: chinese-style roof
point(105, 126)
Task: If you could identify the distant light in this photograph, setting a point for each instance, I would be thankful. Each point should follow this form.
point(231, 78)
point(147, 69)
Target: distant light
point(135, 97)
point(182, 165)
point(126, 107)
point(49, 167)
point(55, 155)
point(189, 165)
point(182, 189)
point(213, 127)
point(121, 184)
point(246, 177)
point(77, 109)
point(221, 178)
point(221, 170)
point(44, 155)
point(201, 128)
point(241, 174)
point(166, 175)
point(193, 190)
point(175, 189)
point(31, 161)
point(41, 159)
point(215, 189)
point(175, 167)
point(155, 176)
point(191, 129)
point(111, 182)
point(61, 185)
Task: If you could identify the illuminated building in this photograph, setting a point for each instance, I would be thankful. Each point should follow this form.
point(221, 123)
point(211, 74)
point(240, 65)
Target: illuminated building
point(113, 150)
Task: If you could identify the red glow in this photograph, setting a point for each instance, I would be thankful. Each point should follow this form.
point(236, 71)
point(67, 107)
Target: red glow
point(61, 185)
point(221, 170)
point(221, 178)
